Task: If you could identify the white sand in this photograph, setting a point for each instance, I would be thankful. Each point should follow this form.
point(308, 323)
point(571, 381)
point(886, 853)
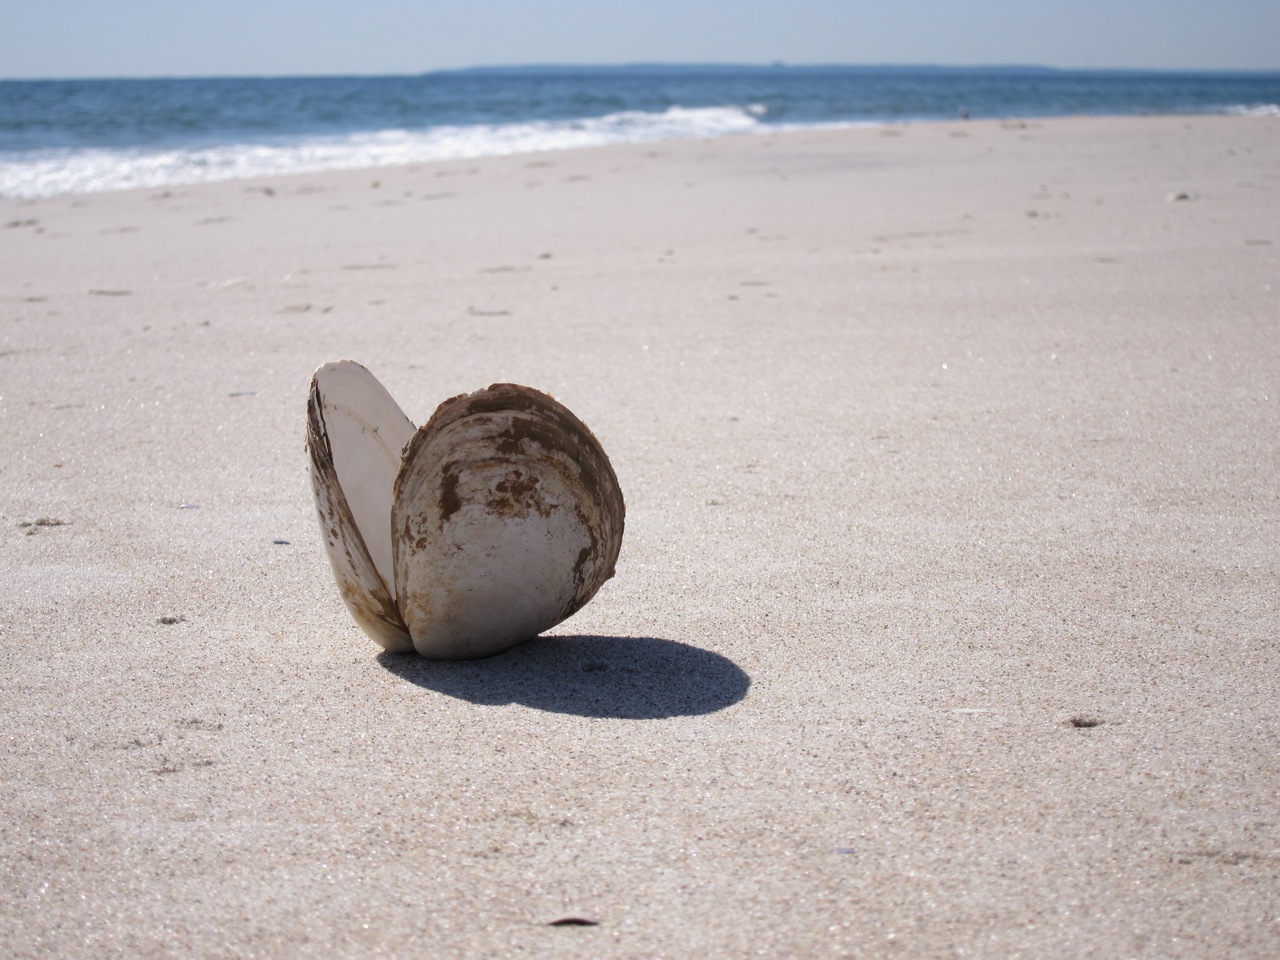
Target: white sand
point(933, 439)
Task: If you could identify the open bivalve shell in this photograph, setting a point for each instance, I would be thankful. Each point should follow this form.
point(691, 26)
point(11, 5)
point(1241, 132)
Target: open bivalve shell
point(496, 520)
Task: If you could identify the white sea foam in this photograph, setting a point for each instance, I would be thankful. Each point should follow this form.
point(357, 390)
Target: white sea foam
point(52, 172)
point(1258, 110)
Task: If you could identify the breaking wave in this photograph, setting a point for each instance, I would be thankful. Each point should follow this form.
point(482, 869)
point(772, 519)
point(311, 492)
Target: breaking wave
point(48, 172)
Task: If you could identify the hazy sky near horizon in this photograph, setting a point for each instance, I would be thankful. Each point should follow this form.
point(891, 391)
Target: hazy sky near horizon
point(106, 38)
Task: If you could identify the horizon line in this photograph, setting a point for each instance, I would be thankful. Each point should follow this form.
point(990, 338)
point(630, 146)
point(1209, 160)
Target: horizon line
point(658, 66)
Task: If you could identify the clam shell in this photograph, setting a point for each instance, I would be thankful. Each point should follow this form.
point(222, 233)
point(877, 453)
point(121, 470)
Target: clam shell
point(501, 518)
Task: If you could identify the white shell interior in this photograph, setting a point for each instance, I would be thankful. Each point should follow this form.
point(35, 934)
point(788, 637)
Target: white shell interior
point(367, 432)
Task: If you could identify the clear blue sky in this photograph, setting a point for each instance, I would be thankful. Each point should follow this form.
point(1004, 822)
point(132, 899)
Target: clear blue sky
point(102, 38)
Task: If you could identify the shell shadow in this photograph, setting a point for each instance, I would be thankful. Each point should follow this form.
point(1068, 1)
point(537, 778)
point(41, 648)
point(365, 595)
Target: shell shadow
point(624, 678)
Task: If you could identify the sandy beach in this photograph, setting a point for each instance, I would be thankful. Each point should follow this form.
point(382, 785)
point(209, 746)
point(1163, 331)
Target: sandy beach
point(946, 624)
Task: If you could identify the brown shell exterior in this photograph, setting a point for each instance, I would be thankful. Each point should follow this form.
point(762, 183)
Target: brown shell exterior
point(496, 456)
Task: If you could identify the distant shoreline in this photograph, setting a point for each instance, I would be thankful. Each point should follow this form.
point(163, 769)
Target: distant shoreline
point(86, 136)
point(670, 69)
point(840, 68)
point(248, 176)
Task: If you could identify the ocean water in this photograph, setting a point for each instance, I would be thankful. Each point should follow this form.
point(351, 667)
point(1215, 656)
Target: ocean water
point(80, 136)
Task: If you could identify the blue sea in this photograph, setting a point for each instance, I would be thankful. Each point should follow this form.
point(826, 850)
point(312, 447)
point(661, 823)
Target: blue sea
point(80, 136)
